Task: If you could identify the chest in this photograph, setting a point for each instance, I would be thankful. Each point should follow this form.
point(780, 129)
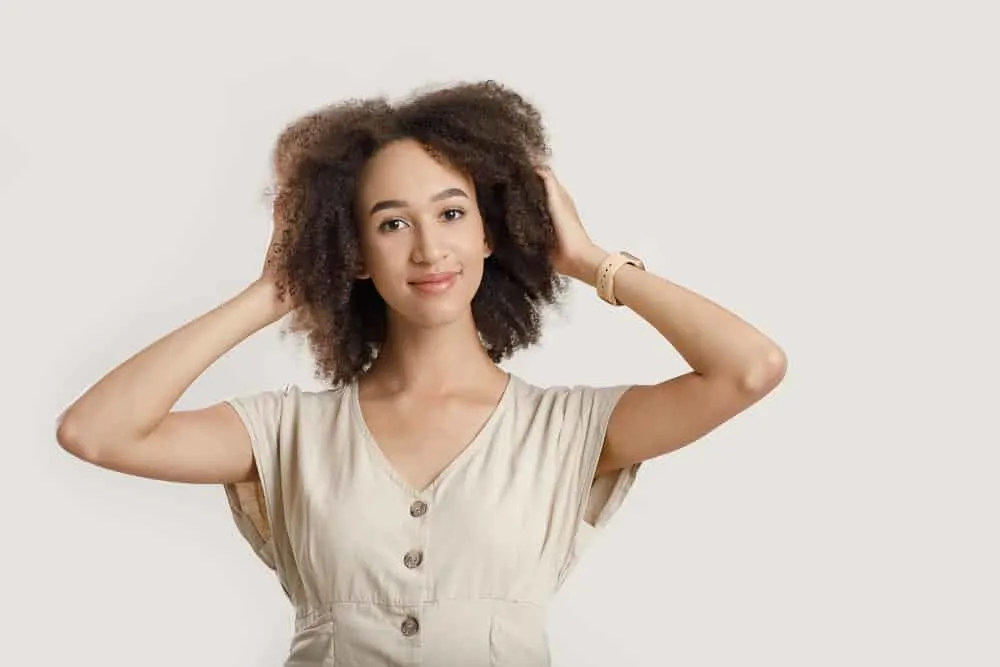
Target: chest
point(491, 523)
point(487, 522)
point(419, 442)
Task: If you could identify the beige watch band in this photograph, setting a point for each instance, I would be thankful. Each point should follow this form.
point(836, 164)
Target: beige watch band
point(605, 283)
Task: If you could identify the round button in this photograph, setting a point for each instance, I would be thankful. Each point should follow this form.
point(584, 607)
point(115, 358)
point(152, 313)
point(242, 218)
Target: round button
point(410, 626)
point(418, 508)
point(413, 559)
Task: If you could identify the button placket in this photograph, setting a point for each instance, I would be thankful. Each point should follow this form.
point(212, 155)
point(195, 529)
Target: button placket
point(413, 559)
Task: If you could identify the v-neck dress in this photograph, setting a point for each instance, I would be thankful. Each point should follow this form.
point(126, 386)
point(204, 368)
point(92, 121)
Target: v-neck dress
point(458, 574)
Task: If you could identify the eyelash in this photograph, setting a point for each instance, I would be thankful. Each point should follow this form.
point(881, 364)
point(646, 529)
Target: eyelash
point(385, 226)
point(455, 209)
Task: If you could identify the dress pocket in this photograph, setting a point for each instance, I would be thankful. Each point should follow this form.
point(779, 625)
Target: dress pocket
point(312, 646)
point(518, 637)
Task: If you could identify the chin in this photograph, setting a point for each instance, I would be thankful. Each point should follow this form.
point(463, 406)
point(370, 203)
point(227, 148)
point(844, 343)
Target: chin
point(432, 313)
point(436, 315)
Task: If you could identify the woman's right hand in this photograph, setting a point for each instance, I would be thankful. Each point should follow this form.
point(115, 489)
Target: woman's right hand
point(271, 277)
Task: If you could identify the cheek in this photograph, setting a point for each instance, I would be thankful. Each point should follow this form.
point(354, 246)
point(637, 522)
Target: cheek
point(381, 255)
point(473, 239)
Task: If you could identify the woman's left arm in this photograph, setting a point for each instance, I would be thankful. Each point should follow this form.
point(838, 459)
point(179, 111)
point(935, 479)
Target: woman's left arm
point(733, 364)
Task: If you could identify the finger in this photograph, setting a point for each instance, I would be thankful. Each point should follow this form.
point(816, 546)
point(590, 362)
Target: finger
point(546, 175)
point(550, 176)
point(552, 184)
point(552, 181)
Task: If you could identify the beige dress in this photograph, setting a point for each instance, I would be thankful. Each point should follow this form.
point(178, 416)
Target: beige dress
point(457, 574)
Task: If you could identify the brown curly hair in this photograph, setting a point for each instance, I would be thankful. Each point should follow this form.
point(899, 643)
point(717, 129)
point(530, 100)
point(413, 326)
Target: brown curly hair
point(484, 129)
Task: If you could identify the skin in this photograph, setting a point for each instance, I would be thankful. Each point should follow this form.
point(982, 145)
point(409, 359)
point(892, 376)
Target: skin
point(418, 218)
point(433, 384)
point(733, 364)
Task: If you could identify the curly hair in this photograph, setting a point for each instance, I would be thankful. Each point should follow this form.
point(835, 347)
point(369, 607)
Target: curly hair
point(485, 130)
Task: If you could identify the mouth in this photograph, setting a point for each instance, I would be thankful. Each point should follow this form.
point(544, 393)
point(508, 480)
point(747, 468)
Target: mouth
point(435, 283)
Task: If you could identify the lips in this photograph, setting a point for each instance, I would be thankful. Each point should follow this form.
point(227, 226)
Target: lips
point(435, 278)
point(435, 283)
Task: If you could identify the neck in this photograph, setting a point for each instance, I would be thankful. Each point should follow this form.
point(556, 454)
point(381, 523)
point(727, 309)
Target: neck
point(433, 359)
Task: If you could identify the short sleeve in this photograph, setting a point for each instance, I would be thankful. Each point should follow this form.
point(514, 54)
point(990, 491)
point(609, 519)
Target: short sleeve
point(256, 506)
point(591, 503)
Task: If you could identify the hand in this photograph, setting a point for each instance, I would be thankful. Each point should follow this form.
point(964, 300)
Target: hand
point(575, 254)
point(271, 274)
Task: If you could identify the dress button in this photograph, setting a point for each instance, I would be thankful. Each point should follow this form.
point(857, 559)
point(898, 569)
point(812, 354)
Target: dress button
point(418, 508)
point(413, 559)
point(410, 626)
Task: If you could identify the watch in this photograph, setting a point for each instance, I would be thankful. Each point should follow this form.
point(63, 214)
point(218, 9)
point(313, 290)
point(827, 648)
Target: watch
point(605, 283)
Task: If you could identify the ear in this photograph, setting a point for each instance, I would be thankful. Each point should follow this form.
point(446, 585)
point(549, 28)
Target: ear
point(487, 250)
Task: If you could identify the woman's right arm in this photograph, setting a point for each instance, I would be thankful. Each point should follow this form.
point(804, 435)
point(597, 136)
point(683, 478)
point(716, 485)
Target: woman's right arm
point(126, 421)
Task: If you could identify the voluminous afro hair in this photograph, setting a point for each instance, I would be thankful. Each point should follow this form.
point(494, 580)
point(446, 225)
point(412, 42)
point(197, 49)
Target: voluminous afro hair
point(483, 129)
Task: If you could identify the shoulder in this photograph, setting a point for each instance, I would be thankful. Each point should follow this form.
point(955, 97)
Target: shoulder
point(566, 395)
point(568, 401)
point(289, 407)
point(292, 395)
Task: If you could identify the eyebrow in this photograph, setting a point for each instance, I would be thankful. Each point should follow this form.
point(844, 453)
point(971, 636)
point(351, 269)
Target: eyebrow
point(399, 203)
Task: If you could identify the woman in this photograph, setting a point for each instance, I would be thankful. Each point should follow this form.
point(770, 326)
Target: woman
point(426, 506)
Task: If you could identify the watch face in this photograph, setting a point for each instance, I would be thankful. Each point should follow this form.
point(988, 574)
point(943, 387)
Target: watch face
point(633, 258)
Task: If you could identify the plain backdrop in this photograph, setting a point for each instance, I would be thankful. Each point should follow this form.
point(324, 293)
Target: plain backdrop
point(828, 171)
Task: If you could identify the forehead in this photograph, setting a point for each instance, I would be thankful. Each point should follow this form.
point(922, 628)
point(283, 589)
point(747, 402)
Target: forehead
point(405, 170)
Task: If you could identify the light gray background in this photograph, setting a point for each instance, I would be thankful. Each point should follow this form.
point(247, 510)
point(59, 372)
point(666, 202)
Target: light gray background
point(827, 170)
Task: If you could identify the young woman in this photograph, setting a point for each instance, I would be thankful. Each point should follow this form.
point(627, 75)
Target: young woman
point(425, 507)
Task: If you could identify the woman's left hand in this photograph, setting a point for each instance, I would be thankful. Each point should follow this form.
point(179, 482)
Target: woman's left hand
point(575, 254)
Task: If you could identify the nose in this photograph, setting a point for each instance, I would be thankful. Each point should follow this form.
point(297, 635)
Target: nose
point(428, 247)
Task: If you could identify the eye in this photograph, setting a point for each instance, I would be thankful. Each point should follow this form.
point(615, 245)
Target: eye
point(452, 214)
point(392, 225)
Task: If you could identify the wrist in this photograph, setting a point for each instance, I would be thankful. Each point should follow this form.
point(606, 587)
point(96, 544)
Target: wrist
point(584, 265)
point(263, 294)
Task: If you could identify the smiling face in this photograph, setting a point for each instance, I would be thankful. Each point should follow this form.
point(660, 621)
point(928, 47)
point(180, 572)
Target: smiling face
point(423, 241)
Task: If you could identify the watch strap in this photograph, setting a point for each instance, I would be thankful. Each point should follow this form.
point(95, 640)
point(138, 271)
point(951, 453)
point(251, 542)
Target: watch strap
point(605, 283)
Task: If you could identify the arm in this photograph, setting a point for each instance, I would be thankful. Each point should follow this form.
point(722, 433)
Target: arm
point(125, 423)
point(733, 364)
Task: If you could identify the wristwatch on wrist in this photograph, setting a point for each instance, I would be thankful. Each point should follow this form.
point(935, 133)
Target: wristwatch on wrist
point(605, 283)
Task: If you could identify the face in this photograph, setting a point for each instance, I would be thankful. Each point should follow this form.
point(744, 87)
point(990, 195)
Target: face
point(423, 241)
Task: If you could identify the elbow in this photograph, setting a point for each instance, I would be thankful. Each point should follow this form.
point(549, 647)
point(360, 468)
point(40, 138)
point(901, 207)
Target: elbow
point(72, 438)
point(766, 373)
